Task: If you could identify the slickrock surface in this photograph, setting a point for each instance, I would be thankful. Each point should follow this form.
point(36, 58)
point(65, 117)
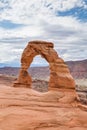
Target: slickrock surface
point(59, 73)
point(26, 109)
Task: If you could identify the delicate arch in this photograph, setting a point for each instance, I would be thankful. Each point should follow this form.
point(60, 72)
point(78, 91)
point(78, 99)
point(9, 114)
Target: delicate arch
point(59, 72)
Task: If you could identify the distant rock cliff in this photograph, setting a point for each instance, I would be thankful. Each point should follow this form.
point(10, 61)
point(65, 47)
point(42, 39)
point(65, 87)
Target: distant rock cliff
point(78, 70)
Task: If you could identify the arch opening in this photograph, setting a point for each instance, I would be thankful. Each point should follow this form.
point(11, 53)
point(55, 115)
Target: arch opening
point(40, 73)
point(59, 73)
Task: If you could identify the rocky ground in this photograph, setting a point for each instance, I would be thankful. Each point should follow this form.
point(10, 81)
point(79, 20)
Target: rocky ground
point(27, 109)
point(81, 88)
point(41, 85)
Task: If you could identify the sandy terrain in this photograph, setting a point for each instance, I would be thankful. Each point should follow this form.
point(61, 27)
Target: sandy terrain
point(27, 109)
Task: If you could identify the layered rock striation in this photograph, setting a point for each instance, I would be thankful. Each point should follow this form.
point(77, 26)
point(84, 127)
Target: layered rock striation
point(60, 76)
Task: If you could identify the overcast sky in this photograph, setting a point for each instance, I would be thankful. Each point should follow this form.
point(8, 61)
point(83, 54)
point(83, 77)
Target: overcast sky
point(63, 22)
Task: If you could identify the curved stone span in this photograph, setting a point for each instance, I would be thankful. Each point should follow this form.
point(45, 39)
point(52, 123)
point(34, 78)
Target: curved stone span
point(59, 73)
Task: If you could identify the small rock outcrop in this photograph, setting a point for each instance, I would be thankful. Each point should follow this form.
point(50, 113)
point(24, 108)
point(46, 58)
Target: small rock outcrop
point(60, 76)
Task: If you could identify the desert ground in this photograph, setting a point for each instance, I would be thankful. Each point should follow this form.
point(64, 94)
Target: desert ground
point(31, 109)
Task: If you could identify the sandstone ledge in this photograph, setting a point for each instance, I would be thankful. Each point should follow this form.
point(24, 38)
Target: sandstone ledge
point(26, 109)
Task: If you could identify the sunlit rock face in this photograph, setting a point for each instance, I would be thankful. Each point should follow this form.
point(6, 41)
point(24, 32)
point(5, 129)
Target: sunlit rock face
point(60, 76)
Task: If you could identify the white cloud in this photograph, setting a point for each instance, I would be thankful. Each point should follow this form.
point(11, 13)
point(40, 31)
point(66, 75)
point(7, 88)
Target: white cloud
point(41, 21)
point(1, 4)
point(69, 4)
point(6, 53)
point(25, 11)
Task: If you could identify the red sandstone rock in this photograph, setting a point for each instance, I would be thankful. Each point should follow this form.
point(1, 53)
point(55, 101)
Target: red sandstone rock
point(26, 109)
point(59, 72)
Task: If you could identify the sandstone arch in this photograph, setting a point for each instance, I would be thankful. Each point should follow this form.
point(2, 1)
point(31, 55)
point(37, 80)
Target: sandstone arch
point(59, 72)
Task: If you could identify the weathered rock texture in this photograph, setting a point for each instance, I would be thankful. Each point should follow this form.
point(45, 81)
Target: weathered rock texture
point(26, 109)
point(59, 72)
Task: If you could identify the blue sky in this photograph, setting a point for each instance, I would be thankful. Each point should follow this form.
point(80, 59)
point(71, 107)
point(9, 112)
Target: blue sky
point(63, 22)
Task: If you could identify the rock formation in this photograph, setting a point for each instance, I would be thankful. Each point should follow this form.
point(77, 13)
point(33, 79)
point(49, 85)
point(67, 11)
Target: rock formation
point(26, 109)
point(60, 76)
